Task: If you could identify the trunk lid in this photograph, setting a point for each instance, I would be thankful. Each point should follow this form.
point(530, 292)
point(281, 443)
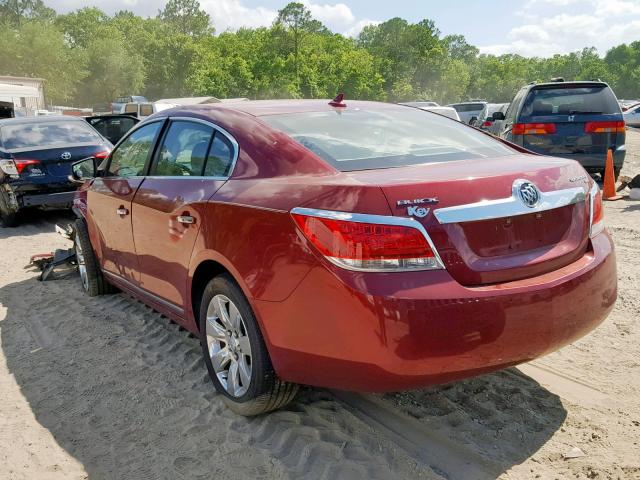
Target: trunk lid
point(56, 162)
point(494, 250)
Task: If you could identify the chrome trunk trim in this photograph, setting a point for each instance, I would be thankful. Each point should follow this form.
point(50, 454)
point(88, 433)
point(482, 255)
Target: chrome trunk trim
point(509, 207)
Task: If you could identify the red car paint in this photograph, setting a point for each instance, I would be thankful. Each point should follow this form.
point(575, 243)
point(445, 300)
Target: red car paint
point(513, 288)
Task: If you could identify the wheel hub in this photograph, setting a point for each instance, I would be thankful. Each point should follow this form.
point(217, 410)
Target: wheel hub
point(228, 345)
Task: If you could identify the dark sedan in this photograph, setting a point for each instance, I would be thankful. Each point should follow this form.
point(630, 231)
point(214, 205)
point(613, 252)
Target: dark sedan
point(36, 154)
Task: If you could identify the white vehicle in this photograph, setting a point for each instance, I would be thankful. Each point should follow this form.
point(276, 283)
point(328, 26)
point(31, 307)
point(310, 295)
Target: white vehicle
point(632, 116)
point(444, 111)
point(435, 108)
point(420, 104)
point(468, 111)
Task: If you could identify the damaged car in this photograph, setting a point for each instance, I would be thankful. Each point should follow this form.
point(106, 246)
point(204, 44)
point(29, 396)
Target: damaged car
point(36, 154)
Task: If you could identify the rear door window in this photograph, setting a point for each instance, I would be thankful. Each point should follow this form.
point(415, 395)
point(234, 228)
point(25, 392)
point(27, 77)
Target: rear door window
point(220, 157)
point(183, 151)
point(113, 128)
point(588, 100)
point(146, 109)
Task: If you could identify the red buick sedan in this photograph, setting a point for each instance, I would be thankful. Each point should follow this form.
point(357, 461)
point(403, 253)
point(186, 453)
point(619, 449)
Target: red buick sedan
point(360, 246)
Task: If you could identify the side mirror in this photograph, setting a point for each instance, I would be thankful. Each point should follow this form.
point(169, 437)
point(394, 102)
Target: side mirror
point(473, 120)
point(83, 170)
point(498, 116)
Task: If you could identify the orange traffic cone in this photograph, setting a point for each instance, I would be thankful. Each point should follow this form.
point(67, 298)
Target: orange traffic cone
point(609, 188)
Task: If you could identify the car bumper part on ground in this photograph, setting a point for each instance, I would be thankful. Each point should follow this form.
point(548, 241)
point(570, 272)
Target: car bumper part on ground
point(385, 332)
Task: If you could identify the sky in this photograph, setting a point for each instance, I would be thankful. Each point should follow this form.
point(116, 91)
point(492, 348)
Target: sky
point(527, 27)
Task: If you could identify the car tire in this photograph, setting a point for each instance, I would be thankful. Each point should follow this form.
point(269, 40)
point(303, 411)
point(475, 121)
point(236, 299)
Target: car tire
point(8, 218)
point(231, 341)
point(91, 277)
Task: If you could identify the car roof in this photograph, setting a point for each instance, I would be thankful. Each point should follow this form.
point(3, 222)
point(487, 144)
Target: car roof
point(260, 108)
point(40, 119)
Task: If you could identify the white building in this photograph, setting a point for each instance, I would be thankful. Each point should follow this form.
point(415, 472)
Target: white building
point(26, 94)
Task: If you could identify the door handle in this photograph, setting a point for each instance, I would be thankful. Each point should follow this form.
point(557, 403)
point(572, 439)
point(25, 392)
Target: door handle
point(187, 219)
point(122, 211)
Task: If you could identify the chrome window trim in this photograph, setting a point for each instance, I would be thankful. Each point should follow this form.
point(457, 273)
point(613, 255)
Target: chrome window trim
point(379, 219)
point(509, 207)
point(234, 144)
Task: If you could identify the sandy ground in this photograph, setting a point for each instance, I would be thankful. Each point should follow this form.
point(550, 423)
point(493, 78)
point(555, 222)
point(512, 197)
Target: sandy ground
point(106, 388)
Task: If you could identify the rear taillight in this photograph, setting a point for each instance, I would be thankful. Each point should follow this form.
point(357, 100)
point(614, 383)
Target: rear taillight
point(596, 214)
point(8, 167)
point(533, 128)
point(23, 164)
point(368, 242)
point(487, 123)
point(17, 166)
point(101, 155)
point(604, 127)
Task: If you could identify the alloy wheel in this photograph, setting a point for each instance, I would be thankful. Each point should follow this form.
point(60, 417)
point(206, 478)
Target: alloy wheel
point(228, 345)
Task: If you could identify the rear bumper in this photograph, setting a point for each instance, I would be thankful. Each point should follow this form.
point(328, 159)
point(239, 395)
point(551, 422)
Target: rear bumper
point(591, 162)
point(386, 332)
point(60, 199)
point(41, 193)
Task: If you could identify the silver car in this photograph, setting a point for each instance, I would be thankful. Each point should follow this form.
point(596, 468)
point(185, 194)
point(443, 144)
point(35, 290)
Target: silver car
point(468, 111)
point(486, 121)
point(632, 116)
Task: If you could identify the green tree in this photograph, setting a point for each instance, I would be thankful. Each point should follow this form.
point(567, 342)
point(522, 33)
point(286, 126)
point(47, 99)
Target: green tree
point(15, 12)
point(293, 24)
point(39, 50)
point(83, 25)
point(113, 69)
point(186, 17)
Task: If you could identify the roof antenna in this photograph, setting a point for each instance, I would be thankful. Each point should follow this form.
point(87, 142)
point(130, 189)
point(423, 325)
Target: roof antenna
point(338, 101)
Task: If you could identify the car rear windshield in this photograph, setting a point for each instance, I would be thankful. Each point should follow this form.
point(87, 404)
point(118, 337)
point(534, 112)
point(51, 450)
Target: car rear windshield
point(468, 107)
point(358, 139)
point(47, 134)
point(594, 100)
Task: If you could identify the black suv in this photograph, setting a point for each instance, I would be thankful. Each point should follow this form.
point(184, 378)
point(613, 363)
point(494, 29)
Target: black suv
point(579, 120)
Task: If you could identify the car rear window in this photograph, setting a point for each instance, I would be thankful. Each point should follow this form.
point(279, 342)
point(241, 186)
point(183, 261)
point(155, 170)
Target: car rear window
point(47, 134)
point(468, 107)
point(595, 100)
point(358, 139)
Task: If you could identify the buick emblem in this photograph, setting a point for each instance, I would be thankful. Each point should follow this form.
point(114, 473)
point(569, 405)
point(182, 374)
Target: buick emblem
point(529, 194)
point(66, 156)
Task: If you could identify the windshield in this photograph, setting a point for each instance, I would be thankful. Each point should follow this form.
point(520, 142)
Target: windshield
point(595, 100)
point(357, 139)
point(47, 134)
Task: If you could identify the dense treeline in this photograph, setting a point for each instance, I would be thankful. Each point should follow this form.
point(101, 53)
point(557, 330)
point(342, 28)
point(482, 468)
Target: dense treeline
point(88, 57)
